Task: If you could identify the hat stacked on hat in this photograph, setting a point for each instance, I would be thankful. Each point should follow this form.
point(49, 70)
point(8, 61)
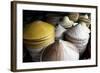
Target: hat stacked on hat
point(38, 35)
point(85, 19)
point(79, 34)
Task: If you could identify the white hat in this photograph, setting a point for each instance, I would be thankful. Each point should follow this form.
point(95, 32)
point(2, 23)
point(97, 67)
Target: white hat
point(59, 31)
point(77, 32)
point(79, 36)
point(60, 51)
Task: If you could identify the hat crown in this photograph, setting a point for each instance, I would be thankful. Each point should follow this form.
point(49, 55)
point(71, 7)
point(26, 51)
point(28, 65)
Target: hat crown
point(66, 23)
point(78, 32)
point(86, 16)
point(37, 30)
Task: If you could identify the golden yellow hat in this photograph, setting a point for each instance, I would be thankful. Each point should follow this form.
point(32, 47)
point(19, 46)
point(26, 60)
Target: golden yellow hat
point(42, 44)
point(38, 34)
point(37, 30)
point(40, 40)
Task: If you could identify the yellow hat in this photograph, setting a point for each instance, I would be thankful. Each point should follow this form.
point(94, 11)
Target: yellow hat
point(38, 34)
point(40, 40)
point(40, 45)
point(37, 30)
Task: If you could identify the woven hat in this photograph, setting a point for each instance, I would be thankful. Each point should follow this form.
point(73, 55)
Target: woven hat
point(73, 16)
point(66, 23)
point(71, 52)
point(52, 53)
point(77, 32)
point(78, 35)
point(59, 31)
point(38, 34)
point(85, 19)
point(60, 51)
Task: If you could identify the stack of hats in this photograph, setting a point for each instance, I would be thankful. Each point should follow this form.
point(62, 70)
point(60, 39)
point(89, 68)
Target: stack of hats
point(79, 34)
point(38, 34)
point(85, 19)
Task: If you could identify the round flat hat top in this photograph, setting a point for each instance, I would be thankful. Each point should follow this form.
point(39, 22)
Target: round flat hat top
point(38, 30)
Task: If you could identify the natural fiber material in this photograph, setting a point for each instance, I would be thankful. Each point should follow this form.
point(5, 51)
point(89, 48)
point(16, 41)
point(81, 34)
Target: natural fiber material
point(41, 45)
point(73, 16)
point(85, 19)
point(59, 31)
point(60, 51)
point(37, 30)
point(38, 34)
point(79, 36)
point(66, 23)
point(69, 50)
point(53, 52)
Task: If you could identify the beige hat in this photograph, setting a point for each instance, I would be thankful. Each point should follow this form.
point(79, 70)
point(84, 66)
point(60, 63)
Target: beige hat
point(73, 16)
point(60, 51)
point(52, 53)
point(85, 19)
point(66, 23)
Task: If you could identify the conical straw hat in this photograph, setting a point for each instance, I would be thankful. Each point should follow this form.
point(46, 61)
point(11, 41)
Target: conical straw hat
point(37, 30)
